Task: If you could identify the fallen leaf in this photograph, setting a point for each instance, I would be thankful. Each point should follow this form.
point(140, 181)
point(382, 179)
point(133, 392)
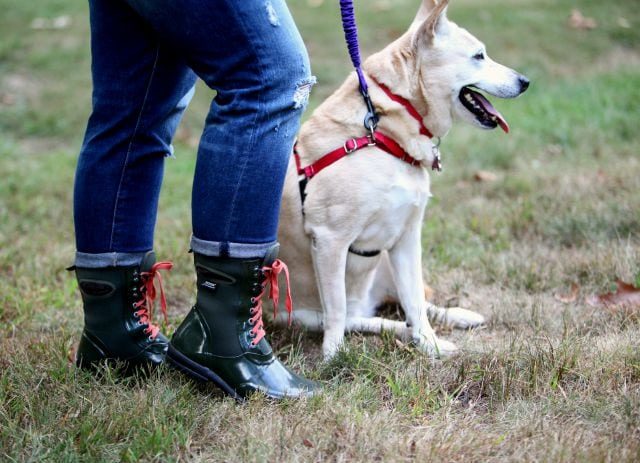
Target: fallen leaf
point(7, 100)
point(485, 176)
point(626, 296)
point(72, 354)
point(578, 21)
point(428, 292)
point(569, 298)
point(307, 443)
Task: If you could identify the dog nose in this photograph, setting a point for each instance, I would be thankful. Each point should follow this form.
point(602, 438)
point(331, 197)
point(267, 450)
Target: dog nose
point(524, 83)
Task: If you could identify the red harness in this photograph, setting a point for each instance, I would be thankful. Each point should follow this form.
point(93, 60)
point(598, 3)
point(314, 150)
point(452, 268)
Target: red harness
point(377, 138)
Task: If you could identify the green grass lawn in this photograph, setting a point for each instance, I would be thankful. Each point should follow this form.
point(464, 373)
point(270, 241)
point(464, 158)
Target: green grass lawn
point(544, 381)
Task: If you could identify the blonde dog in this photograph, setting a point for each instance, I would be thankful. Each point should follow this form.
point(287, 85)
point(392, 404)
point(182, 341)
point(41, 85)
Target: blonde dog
point(352, 237)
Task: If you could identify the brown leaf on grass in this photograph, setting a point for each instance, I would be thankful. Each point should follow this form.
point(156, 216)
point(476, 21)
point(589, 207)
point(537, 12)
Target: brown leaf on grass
point(7, 100)
point(578, 21)
point(307, 443)
point(570, 297)
point(626, 297)
point(71, 355)
point(485, 176)
point(428, 292)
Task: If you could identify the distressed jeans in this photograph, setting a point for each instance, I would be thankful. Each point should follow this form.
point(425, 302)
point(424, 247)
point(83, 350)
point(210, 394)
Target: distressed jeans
point(146, 57)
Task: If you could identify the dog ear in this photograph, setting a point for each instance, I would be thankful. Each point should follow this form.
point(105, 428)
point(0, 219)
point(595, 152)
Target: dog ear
point(434, 22)
point(425, 7)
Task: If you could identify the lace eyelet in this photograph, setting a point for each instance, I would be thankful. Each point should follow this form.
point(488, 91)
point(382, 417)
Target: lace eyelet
point(136, 314)
point(134, 305)
point(250, 323)
point(140, 323)
point(253, 300)
point(253, 344)
point(150, 338)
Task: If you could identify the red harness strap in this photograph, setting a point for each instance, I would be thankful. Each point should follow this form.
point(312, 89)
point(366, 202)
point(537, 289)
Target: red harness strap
point(408, 106)
point(380, 140)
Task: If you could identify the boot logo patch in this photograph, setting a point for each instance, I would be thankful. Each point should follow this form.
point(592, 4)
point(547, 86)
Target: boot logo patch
point(220, 278)
point(209, 285)
point(96, 288)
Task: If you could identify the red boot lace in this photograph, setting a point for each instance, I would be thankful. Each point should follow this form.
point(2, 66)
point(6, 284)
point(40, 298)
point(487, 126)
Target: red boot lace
point(271, 277)
point(148, 290)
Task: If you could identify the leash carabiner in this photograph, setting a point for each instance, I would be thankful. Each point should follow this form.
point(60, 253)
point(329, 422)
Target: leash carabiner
point(371, 119)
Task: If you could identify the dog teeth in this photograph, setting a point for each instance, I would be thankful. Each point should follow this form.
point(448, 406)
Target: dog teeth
point(469, 98)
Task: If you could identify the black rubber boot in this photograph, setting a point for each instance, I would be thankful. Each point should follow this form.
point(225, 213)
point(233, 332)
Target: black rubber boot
point(222, 338)
point(117, 315)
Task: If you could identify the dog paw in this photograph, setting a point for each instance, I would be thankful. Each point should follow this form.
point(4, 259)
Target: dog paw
point(463, 319)
point(330, 348)
point(455, 317)
point(436, 347)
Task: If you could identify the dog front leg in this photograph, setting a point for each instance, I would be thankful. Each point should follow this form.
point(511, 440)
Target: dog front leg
point(330, 262)
point(406, 266)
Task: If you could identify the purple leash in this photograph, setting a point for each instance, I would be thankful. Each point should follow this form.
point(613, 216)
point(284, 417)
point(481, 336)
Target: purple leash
point(351, 36)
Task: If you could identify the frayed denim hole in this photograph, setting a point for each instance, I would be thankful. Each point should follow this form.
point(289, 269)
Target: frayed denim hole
point(303, 89)
point(274, 20)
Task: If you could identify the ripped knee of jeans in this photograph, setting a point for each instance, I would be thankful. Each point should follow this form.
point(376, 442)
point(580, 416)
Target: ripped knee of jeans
point(274, 20)
point(301, 94)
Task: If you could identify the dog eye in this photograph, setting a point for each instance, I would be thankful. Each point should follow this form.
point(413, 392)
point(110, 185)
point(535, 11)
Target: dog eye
point(479, 56)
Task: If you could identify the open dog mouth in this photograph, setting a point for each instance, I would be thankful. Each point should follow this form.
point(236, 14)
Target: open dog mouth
point(482, 109)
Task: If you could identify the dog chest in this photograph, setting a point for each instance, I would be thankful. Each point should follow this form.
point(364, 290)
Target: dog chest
point(398, 207)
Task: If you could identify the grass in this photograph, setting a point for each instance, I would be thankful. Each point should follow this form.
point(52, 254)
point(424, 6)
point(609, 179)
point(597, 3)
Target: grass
point(544, 381)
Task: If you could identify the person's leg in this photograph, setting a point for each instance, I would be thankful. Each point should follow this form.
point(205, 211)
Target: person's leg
point(140, 91)
point(250, 52)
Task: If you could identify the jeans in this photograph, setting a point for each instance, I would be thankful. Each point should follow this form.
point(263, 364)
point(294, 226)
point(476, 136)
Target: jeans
point(146, 57)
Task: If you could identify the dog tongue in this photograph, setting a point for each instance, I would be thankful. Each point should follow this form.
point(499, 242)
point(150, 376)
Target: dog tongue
point(488, 107)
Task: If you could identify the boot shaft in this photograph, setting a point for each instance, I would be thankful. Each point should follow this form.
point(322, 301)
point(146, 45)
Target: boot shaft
point(227, 285)
point(227, 289)
point(117, 314)
point(108, 295)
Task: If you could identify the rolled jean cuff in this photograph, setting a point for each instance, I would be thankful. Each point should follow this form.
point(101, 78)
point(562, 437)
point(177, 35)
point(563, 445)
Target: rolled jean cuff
point(108, 259)
point(229, 249)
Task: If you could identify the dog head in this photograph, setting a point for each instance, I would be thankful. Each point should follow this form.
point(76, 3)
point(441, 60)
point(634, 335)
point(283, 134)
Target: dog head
point(451, 65)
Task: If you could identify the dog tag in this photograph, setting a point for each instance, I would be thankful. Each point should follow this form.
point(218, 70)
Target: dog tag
point(437, 160)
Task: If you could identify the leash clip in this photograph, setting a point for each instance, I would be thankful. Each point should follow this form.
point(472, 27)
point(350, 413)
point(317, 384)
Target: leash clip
point(371, 118)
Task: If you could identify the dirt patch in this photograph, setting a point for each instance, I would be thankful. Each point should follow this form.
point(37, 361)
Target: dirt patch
point(18, 87)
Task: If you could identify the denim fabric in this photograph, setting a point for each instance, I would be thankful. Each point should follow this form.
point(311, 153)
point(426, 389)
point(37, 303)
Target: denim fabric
point(147, 55)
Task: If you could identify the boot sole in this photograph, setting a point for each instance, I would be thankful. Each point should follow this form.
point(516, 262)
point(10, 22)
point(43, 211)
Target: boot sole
point(198, 372)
